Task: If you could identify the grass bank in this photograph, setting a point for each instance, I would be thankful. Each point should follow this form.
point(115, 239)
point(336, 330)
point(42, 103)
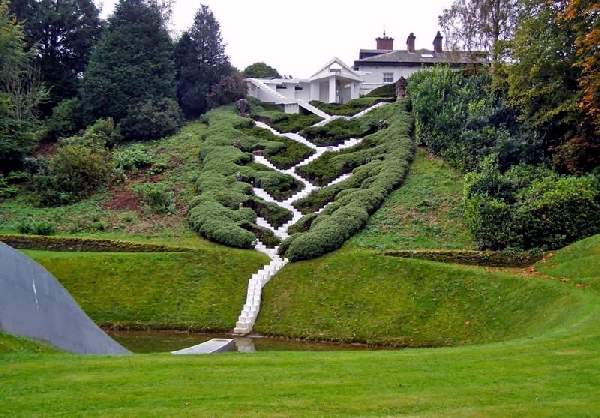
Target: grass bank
point(425, 213)
point(201, 290)
point(553, 373)
point(360, 296)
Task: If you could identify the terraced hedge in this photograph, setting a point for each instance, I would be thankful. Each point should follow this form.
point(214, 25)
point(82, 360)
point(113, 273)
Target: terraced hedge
point(273, 116)
point(383, 158)
point(350, 108)
point(225, 208)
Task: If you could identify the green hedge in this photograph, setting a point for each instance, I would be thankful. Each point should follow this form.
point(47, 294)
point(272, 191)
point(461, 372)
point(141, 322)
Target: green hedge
point(273, 116)
point(351, 209)
point(224, 209)
point(530, 207)
point(389, 91)
point(478, 258)
point(350, 108)
point(37, 242)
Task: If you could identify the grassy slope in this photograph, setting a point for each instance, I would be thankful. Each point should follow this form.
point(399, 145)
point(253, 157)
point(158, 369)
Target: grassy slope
point(554, 374)
point(10, 344)
point(180, 155)
point(425, 213)
point(199, 289)
point(357, 295)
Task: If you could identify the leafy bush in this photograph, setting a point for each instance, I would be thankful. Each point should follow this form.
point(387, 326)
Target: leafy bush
point(36, 227)
point(157, 198)
point(7, 190)
point(66, 119)
point(132, 157)
point(461, 119)
point(75, 172)
point(228, 90)
point(530, 207)
point(100, 134)
point(389, 90)
point(153, 119)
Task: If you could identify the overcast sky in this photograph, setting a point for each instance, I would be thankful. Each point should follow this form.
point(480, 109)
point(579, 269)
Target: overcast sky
point(299, 36)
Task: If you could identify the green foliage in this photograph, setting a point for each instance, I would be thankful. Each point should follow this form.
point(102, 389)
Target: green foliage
point(66, 119)
point(389, 90)
point(282, 122)
point(384, 168)
point(260, 70)
point(34, 227)
point(75, 172)
point(201, 64)
point(350, 108)
point(132, 157)
point(529, 207)
point(157, 197)
point(7, 190)
point(339, 130)
point(228, 90)
point(459, 118)
point(153, 119)
point(131, 67)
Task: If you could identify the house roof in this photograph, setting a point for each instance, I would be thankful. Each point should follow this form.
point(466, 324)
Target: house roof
point(424, 56)
point(347, 73)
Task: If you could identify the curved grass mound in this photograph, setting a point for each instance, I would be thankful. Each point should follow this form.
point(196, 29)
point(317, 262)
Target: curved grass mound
point(200, 290)
point(359, 296)
point(18, 345)
point(383, 158)
point(225, 208)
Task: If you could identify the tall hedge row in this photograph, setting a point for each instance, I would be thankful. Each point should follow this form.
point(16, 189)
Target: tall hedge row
point(350, 210)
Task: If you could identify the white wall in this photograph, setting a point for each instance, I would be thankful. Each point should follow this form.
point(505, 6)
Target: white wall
point(374, 76)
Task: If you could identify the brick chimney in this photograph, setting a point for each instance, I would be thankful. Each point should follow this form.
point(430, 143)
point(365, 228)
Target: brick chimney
point(385, 43)
point(437, 43)
point(410, 42)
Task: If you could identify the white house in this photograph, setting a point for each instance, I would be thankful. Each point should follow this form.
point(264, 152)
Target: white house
point(384, 65)
point(335, 82)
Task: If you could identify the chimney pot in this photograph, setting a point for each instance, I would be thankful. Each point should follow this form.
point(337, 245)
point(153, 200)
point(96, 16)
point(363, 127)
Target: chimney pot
point(410, 42)
point(437, 43)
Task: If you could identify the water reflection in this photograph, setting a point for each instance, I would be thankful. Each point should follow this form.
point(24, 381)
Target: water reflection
point(166, 341)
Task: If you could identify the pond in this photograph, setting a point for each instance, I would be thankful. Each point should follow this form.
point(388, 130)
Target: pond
point(166, 341)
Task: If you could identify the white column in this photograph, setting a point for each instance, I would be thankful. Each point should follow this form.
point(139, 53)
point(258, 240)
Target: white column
point(332, 89)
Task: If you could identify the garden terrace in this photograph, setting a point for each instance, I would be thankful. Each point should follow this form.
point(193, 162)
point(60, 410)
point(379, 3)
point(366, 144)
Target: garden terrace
point(224, 209)
point(283, 122)
point(385, 157)
point(350, 108)
point(340, 129)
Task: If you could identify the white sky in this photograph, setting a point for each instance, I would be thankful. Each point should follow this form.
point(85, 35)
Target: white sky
point(297, 37)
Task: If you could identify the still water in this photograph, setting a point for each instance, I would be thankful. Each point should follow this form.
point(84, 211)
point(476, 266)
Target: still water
point(165, 341)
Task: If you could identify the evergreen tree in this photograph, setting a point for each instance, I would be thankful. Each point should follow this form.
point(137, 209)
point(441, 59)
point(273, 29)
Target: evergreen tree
point(201, 62)
point(62, 34)
point(132, 64)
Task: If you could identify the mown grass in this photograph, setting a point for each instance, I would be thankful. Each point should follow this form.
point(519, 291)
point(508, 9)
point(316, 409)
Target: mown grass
point(425, 213)
point(360, 296)
point(177, 157)
point(350, 108)
point(12, 344)
point(553, 373)
point(201, 290)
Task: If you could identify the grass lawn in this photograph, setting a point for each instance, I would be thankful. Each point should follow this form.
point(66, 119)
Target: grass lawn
point(201, 290)
point(425, 213)
point(551, 373)
point(118, 210)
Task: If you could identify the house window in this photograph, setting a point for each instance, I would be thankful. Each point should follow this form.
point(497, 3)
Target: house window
point(298, 88)
point(388, 77)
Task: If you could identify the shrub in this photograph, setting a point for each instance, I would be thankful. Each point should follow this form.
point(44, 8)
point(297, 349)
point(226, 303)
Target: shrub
point(7, 190)
point(132, 157)
point(530, 207)
point(156, 197)
point(228, 90)
point(66, 119)
point(153, 119)
point(75, 172)
point(36, 227)
point(100, 134)
point(350, 108)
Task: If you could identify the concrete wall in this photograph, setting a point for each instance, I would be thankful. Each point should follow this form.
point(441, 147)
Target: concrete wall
point(34, 304)
point(374, 76)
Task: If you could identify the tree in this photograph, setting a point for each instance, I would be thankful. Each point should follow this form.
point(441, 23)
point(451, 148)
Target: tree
point(20, 94)
point(62, 34)
point(201, 62)
point(584, 15)
point(132, 64)
point(228, 90)
point(261, 70)
point(479, 24)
